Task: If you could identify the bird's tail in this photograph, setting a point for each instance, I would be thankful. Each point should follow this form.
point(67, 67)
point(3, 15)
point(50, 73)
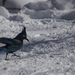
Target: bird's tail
point(2, 49)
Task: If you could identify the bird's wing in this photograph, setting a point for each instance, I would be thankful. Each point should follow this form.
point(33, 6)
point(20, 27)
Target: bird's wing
point(9, 41)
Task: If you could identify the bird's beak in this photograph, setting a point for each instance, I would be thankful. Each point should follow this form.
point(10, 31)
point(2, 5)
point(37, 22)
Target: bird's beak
point(27, 39)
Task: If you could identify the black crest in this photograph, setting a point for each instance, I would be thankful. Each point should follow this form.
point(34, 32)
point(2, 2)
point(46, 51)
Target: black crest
point(24, 29)
point(22, 35)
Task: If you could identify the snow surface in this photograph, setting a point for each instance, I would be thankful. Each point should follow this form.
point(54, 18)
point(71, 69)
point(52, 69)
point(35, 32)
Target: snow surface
point(51, 46)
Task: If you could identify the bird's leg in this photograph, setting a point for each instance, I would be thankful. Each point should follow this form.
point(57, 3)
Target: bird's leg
point(16, 55)
point(6, 56)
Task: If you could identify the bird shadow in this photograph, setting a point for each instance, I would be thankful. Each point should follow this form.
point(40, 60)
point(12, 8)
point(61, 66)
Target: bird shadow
point(30, 46)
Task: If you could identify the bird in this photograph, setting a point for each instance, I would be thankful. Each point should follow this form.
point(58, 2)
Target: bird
point(13, 44)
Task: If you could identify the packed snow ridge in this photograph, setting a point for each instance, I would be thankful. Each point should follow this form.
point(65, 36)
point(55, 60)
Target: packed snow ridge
point(46, 9)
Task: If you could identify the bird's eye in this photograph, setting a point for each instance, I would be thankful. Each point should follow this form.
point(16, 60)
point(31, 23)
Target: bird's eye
point(24, 35)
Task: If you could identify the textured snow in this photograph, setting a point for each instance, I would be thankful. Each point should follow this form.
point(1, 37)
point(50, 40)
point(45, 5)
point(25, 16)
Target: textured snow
point(49, 52)
point(51, 46)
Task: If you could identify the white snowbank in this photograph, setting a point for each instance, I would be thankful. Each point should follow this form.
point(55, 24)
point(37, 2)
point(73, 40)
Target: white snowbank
point(4, 12)
point(49, 9)
point(44, 9)
point(23, 2)
point(15, 5)
point(57, 5)
point(69, 15)
point(39, 14)
point(38, 6)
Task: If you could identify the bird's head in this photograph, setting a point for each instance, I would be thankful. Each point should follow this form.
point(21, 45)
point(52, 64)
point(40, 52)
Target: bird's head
point(24, 33)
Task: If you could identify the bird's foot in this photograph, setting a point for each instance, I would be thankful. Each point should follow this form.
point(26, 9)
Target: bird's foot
point(16, 55)
point(6, 59)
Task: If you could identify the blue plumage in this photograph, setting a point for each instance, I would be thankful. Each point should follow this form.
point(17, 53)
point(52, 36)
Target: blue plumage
point(14, 44)
point(2, 49)
point(8, 41)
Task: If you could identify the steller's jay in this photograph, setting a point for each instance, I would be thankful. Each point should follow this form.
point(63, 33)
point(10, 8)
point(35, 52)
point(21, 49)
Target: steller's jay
point(14, 44)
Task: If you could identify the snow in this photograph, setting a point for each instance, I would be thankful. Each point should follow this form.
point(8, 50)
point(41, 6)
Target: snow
point(51, 46)
point(49, 9)
point(4, 12)
point(15, 5)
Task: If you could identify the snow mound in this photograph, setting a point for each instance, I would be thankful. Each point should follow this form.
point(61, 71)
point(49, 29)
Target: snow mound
point(49, 9)
point(39, 14)
point(38, 6)
point(4, 12)
point(57, 5)
point(69, 15)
